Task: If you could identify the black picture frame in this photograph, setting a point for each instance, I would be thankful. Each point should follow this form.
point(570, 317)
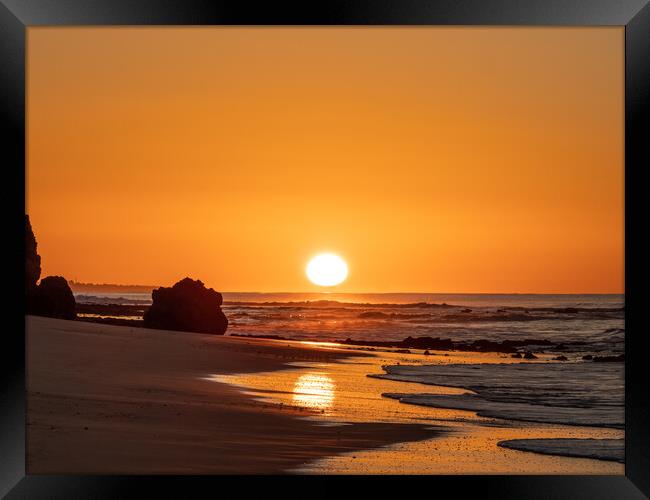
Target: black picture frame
point(634, 15)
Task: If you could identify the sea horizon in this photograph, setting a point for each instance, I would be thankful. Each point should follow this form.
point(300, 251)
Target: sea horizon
point(77, 287)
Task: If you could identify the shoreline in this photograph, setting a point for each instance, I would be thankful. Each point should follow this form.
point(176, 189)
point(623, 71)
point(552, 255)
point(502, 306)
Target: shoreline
point(345, 392)
point(106, 399)
point(285, 399)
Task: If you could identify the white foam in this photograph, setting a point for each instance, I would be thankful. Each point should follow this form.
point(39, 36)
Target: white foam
point(600, 449)
point(574, 394)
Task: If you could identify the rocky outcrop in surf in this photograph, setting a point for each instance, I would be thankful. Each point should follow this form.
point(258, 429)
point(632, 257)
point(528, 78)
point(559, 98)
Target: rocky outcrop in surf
point(187, 306)
point(438, 344)
point(610, 359)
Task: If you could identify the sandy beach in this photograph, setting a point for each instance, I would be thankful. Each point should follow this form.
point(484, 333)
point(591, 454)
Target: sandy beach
point(117, 400)
point(106, 399)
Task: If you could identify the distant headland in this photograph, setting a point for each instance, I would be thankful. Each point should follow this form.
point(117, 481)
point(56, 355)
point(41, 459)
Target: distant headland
point(79, 287)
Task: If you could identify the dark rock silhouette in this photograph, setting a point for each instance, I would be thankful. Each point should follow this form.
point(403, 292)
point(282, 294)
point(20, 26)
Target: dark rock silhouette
point(427, 343)
point(516, 355)
point(610, 359)
point(53, 298)
point(438, 344)
point(32, 259)
point(484, 345)
point(270, 337)
point(560, 358)
point(427, 353)
point(587, 357)
point(529, 355)
point(373, 315)
point(187, 306)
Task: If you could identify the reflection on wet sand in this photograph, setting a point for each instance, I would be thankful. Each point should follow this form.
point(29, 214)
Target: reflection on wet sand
point(314, 391)
point(342, 392)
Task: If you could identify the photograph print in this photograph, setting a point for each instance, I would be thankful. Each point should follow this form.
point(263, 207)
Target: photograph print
point(325, 250)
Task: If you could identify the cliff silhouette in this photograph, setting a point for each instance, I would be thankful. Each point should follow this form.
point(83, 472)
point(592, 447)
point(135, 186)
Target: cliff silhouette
point(52, 297)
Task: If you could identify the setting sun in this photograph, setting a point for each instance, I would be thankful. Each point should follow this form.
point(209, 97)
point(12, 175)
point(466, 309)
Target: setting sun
point(327, 269)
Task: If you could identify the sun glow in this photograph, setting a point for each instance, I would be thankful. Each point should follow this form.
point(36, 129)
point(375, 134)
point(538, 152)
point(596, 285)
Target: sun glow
point(327, 269)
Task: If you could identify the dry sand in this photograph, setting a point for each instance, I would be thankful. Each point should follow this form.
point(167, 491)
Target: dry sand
point(118, 400)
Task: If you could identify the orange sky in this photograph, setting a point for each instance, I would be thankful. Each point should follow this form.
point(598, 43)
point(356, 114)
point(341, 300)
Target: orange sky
point(431, 159)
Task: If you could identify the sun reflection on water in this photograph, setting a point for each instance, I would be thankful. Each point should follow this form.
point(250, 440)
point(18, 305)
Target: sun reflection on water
point(314, 390)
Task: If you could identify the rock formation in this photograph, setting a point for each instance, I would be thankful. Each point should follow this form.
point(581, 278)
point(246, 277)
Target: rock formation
point(187, 306)
point(610, 359)
point(52, 297)
point(32, 259)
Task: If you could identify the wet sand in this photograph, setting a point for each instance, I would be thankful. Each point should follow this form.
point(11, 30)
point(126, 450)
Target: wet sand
point(118, 400)
point(111, 399)
point(343, 392)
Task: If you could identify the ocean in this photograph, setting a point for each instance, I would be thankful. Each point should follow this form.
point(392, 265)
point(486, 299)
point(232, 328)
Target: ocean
point(576, 391)
point(586, 324)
